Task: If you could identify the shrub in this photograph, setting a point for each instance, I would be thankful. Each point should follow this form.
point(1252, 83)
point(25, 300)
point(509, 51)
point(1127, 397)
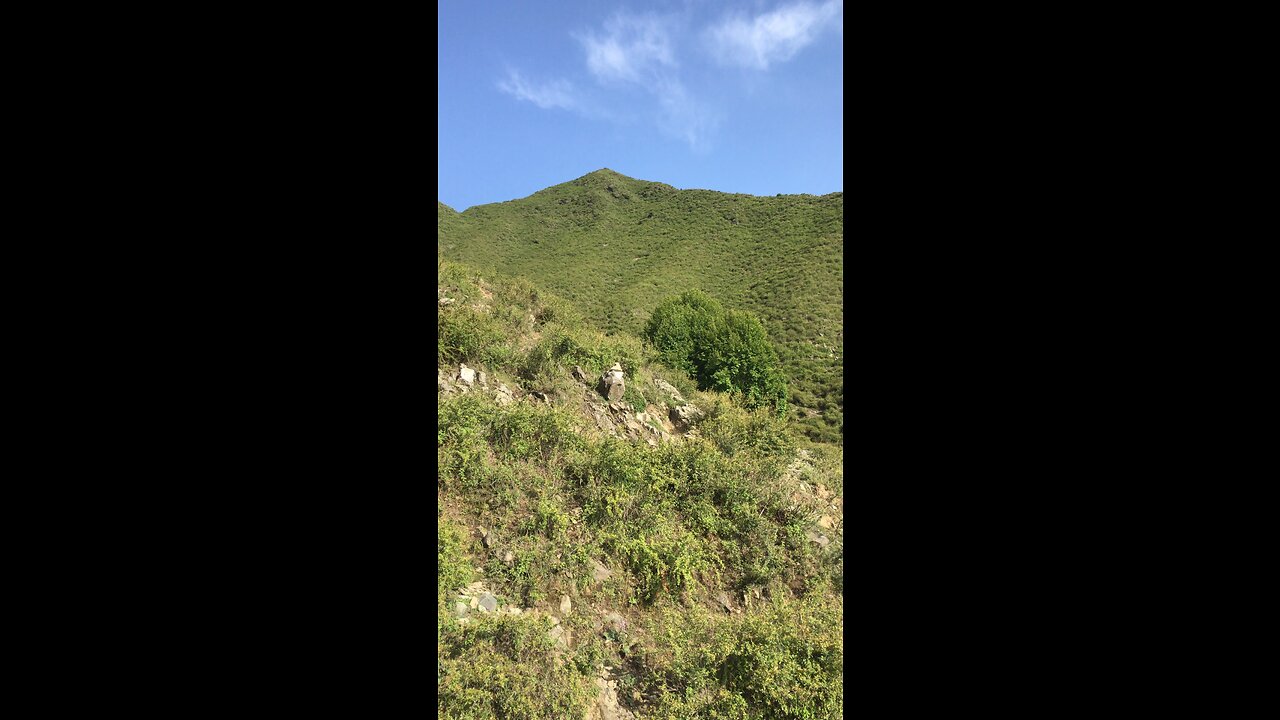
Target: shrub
point(728, 351)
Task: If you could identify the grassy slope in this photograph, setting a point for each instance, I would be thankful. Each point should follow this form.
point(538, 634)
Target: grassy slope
point(678, 524)
point(616, 246)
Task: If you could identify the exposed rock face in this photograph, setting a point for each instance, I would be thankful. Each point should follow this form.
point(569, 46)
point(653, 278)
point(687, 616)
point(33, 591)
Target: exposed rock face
point(466, 375)
point(612, 385)
point(685, 417)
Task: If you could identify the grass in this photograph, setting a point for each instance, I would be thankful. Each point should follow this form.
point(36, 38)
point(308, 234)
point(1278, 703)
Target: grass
point(677, 524)
point(615, 247)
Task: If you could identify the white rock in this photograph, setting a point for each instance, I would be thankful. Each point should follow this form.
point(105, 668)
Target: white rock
point(466, 374)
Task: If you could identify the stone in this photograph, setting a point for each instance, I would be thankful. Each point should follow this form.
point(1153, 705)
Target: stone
point(723, 598)
point(611, 384)
point(579, 374)
point(475, 602)
point(554, 620)
point(461, 608)
point(615, 622)
point(503, 395)
point(444, 301)
point(483, 379)
point(556, 632)
point(509, 558)
point(514, 610)
point(685, 416)
point(487, 538)
point(566, 606)
point(669, 389)
point(822, 491)
point(601, 572)
point(488, 603)
point(466, 374)
point(827, 522)
point(819, 538)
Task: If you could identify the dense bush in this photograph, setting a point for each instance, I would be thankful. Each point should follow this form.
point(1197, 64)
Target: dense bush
point(727, 351)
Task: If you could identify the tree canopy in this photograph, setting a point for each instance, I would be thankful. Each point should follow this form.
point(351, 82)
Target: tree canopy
point(723, 350)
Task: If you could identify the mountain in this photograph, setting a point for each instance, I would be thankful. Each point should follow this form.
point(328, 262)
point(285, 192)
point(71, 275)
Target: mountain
point(616, 246)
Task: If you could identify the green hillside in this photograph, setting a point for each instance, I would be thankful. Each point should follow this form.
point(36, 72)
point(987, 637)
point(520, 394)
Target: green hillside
point(615, 247)
point(665, 554)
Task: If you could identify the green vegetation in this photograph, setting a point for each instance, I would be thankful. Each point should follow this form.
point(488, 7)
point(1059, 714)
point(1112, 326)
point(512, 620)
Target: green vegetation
point(616, 246)
point(727, 352)
point(713, 515)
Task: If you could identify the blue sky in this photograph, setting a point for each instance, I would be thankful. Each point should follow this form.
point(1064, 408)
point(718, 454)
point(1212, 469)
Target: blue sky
point(744, 97)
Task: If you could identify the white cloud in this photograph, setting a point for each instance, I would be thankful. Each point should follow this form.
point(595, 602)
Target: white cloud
point(683, 116)
point(552, 94)
point(774, 36)
point(631, 49)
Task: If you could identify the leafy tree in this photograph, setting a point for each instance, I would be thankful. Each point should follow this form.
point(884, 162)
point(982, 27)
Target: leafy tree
point(727, 351)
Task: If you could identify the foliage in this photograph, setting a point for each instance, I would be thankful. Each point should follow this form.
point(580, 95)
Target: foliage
point(677, 524)
point(785, 661)
point(504, 667)
point(727, 352)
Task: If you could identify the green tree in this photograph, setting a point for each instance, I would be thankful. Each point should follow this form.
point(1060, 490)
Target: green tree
point(728, 351)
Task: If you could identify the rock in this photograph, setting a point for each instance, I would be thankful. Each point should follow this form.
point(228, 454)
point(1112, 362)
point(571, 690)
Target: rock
point(461, 608)
point(509, 558)
point(488, 603)
point(611, 384)
point(819, 538)
point(466, 374)
point(556, 632)
point(579, 374)
point(822, 491)
point(566, 606)
point(554, 620)
point(445, 301)
point(601, 572)
point(514, 610)
point(685, 417)
point(503, 395)
point(484, 379)
point(723, 598)
point(837, 504)
point(615, 622)
point(475, 602)
point(669, 389)
point(827, 522)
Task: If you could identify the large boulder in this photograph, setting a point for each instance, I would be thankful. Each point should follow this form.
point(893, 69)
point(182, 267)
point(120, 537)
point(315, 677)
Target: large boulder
point(612, 386)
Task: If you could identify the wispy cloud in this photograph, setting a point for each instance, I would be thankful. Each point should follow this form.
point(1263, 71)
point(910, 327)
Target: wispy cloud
point(547, 95)
point(631, 48)
point(685, 117)
point(757, 42)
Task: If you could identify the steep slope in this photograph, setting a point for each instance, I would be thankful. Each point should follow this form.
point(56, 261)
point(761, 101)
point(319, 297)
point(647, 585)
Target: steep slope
point(616, 246)
point(663, 554)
